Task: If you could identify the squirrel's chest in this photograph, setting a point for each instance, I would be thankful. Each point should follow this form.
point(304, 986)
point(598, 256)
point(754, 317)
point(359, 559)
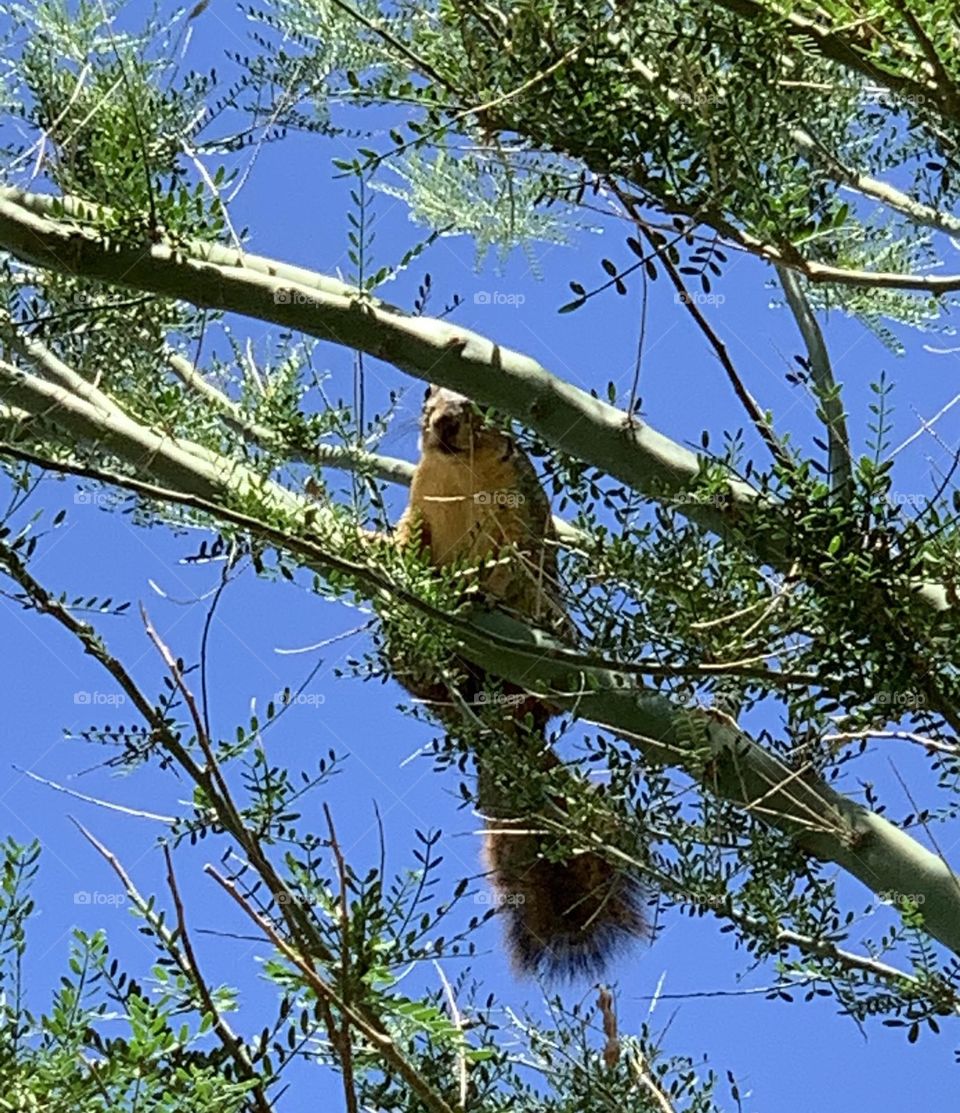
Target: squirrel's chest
point(468, 510)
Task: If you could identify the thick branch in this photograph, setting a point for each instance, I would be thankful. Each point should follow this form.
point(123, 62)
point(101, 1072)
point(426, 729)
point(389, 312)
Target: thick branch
point(568, 418)
point(713, 750)
point(183, 466)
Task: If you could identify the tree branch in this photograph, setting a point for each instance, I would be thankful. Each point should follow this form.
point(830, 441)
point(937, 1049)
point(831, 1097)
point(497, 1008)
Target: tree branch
point(848, 960)
point(883, 192)
point(839, 459)
point(213, 277)
point(92, 418)
point(347, 457)
point(833, 44)
point(746, 399)
point(185, 959)
point(369, 1026)
point(788, 256)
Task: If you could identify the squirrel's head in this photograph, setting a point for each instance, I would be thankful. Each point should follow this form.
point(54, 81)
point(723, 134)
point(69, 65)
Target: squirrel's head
point(452, 425)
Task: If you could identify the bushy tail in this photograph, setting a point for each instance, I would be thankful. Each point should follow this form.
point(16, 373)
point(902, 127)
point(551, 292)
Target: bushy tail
point(567, 911)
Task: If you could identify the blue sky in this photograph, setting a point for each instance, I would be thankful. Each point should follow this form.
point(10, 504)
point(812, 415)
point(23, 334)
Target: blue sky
point(791, 1059)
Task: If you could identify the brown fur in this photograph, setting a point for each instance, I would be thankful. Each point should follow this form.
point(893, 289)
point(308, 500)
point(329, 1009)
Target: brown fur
point(475, 499)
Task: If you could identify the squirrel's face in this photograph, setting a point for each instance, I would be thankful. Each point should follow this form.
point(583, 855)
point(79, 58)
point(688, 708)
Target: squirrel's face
point(451, 424)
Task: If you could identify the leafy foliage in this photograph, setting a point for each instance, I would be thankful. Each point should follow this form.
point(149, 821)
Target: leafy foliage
point(524, 122)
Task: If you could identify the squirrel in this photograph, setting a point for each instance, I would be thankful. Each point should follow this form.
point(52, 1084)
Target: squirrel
point(476, 500)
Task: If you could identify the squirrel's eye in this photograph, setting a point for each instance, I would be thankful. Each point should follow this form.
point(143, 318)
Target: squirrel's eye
point(427, 393)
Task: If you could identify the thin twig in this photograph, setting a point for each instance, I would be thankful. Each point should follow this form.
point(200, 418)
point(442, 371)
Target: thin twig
point(883, 192)
point(901, 735)
point(344, 1047)
point(169, 819)
point(203, 739)
point(226, 1034)
point(421, 64)
point(749, 403)
point(205, 636)
point(642, 1074)
point(823, 948)
point(229, 815)
point(212, 186)
point(923, 822)
point(348, 457)
point(458, 1023)
point(925, 426)
point(223, 808)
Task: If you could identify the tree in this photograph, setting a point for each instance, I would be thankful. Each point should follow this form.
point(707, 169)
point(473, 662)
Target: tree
point(711, 589)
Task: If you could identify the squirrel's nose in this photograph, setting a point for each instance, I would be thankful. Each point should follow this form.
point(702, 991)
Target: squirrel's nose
point(447, 426)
